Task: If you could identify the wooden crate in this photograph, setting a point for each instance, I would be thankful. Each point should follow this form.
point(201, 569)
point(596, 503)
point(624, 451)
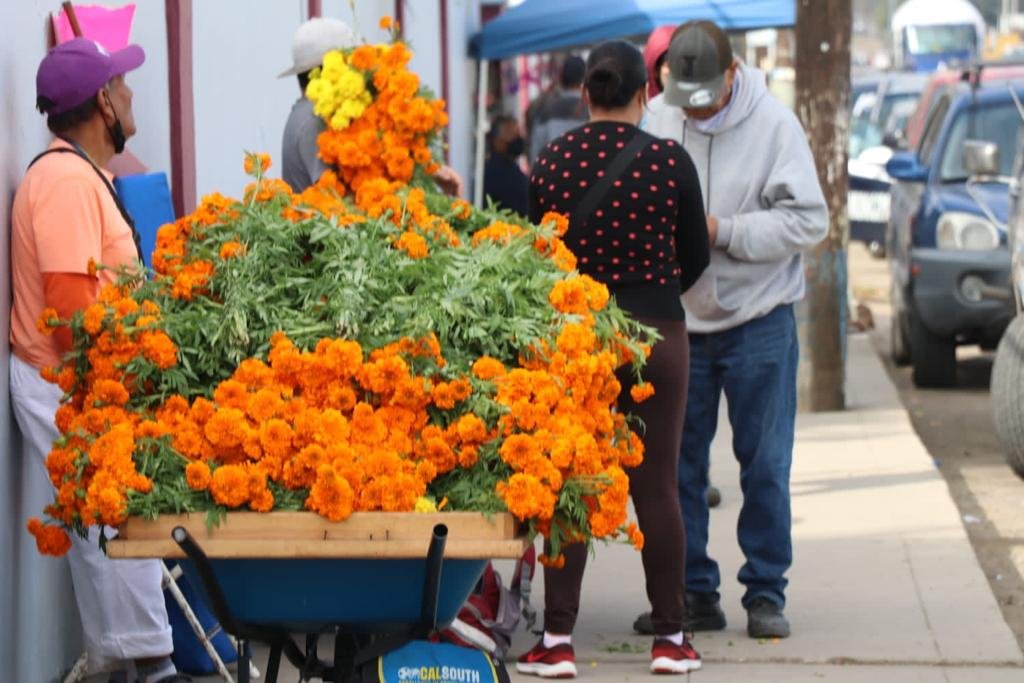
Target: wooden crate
point(370, 535)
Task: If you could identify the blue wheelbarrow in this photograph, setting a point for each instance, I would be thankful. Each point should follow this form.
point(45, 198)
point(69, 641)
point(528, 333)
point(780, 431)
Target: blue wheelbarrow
point(393, 591)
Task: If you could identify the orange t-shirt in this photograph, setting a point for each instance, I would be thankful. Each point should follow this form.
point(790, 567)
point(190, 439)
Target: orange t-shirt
point(63, 215)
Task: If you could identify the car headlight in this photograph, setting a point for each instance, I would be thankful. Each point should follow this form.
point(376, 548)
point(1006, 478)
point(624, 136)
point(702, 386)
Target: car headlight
point(966, 231)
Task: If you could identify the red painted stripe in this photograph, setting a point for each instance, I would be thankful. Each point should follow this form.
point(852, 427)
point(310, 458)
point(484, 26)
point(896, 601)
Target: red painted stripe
point(445, 92)
point(316, 8)
point(400, 15)
point(182, 105)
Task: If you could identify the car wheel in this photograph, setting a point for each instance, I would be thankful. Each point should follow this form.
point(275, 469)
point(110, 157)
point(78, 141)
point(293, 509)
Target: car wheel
point(933, 357)
point(1008, 394)
point(899, 350)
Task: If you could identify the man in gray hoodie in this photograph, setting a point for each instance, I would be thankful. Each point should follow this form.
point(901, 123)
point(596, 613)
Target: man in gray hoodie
point(764, 207)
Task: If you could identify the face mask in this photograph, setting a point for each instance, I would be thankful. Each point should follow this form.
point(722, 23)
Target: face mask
point(117, 135)
point(516, 147)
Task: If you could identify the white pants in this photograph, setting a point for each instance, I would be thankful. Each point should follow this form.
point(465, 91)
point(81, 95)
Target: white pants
point(120, 602)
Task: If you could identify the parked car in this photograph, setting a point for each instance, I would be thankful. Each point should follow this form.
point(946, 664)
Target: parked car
point(940, 80)
point(1008, 368)
point(946, 235)
point(878, 116)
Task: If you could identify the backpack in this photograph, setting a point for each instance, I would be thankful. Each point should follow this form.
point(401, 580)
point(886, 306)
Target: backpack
point(490, 615)
point(422, 661)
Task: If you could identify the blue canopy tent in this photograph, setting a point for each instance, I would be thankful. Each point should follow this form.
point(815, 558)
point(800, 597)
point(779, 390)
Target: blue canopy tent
point(545, 25)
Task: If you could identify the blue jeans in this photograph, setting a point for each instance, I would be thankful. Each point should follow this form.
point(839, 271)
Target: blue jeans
point(756, 365)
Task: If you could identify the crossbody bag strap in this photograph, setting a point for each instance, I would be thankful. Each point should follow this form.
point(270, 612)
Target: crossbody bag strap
point(110, 188)
point(615, 169)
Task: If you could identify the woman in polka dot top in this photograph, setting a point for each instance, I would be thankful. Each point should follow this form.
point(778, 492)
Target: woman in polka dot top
point(645, 238)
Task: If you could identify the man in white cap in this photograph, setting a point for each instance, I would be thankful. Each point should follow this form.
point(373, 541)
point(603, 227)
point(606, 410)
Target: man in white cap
point(300, 161)
point(301, 165)
point(764, 207)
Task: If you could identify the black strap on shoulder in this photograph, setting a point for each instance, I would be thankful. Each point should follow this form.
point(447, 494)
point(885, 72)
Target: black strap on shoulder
point(615, 169)
point(110, 188)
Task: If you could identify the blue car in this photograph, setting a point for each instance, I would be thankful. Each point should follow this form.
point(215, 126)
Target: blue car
point(946, 235)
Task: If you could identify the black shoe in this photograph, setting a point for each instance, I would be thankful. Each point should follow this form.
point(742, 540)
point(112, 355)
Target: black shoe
point(703, 613)
point(714, 496)
point(766, 620)
point(644, 625)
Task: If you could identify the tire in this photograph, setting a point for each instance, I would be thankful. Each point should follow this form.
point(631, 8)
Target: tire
point(1008, 394)
point(899, 348)
point(933, 357)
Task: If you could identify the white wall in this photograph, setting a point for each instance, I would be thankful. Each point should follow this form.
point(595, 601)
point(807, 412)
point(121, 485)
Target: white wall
point(150, 104)
point(39, 631)
point(239, 47)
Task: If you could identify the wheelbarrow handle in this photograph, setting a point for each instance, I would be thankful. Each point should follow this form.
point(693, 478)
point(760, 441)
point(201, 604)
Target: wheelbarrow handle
point(432, 578)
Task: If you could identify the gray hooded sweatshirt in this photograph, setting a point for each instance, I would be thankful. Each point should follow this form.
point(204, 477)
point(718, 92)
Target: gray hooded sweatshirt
point(758, 179)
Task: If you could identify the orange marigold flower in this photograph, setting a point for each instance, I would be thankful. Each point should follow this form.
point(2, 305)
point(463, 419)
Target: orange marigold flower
point(197, 475)
point(229, 249)
point(386, 22)
point(50, 540)
point(636, 537)
point(229, 485)
point(413, 244)
point(256, 163)
point(527, 497)
point(641, 392)
point(560, 222)
point(90, 267)
point(557, 562)
point(330, 495)
point(48, 320)
point(158, 348)
point(93, 318)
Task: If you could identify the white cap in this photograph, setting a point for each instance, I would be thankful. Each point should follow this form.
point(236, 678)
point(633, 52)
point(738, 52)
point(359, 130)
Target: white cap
point(314, 39)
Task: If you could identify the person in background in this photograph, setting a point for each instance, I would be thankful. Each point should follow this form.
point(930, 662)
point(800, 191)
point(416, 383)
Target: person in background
point(654, 57)
point(504, 181)
point(65, 215)
point(655, 51)
point(563, 110)
point(636, 225)
point(764, 208)
point(301, 165)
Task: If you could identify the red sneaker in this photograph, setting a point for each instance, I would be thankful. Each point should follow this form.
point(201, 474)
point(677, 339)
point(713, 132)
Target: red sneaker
point(669, 658)
point(556, 662)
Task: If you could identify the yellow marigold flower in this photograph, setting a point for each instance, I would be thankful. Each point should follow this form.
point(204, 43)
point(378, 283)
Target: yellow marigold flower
point(424, 504)
point(641, 392)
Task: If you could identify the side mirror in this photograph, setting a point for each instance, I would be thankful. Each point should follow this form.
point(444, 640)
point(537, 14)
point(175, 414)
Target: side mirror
point(981, 158)
point(905, 166)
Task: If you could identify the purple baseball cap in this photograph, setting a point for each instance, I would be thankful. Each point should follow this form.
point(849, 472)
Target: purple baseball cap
point(74, 71)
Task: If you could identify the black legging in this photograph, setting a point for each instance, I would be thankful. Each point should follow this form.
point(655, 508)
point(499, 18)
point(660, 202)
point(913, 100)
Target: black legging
point(652, 487)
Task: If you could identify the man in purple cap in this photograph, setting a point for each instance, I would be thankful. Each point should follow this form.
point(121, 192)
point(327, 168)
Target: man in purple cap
point(66, 214)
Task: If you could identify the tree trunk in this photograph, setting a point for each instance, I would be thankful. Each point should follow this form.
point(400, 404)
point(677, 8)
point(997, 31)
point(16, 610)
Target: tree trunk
point(822, 103)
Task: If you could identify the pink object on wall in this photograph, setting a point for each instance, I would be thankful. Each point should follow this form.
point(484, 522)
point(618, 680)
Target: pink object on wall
point(111, 27)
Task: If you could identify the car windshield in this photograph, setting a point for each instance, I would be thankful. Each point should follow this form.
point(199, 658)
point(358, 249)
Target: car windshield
point(999, 123)
point(932, 40)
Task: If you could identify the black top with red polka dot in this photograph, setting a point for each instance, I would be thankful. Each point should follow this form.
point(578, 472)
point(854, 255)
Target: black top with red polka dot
point(647, 238)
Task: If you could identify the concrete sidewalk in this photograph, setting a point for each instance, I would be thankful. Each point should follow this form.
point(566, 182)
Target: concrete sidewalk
point(884, 587)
